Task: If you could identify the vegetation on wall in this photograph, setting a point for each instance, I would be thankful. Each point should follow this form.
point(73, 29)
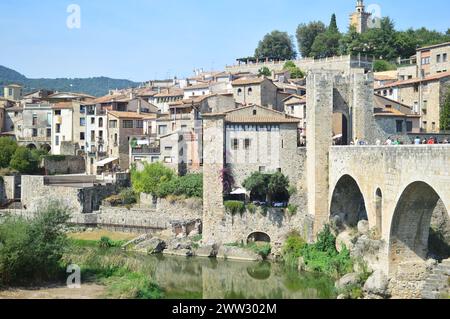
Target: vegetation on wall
point(445, 113)
point(264, 71)
point(294, 71)
point(270, 187)
point(321, 256)
point(160, 181)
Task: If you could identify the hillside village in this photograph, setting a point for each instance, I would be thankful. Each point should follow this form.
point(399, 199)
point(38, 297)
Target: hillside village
point(258, 118)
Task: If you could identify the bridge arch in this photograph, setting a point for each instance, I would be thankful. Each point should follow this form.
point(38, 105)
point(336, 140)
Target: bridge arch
point(348, 202)
point(410, 224)
point(258, 236)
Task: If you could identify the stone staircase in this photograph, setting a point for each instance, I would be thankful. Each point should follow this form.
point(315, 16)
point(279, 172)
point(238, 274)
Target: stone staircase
point(438, 281)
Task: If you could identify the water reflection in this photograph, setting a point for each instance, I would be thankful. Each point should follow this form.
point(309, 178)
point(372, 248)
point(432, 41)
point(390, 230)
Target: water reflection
point(203, 278)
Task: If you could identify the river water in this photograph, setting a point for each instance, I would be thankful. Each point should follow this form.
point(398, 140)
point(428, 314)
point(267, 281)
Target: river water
point(203, 278)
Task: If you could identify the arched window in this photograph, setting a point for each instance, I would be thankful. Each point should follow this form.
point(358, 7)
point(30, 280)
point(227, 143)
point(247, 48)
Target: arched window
point(239, 92)
point(250, 90)
point(100, 122)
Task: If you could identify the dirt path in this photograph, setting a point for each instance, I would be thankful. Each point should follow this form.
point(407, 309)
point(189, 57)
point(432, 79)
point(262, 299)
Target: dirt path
point(87, 291)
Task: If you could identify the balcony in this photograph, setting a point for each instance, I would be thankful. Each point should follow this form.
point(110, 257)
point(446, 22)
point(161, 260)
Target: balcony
point(146, 150)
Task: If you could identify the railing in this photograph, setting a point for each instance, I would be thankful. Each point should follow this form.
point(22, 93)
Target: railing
point(146, 150)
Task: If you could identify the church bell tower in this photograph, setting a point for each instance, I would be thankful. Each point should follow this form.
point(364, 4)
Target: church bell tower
point(360, 18)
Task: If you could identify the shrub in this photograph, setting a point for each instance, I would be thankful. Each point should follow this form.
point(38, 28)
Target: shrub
point(251, 208)
point(32, 250)
point(234, 207)
point(292, 209)
point(128, 196)
point(263, 250)
point(190, 186)
point(105, 242)
point(149, 180)
point(7, 149)
point(114, 200)
point(292, 249)
point(24, 161)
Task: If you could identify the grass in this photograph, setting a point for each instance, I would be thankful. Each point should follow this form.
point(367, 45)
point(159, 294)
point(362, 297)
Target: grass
point(98, 234)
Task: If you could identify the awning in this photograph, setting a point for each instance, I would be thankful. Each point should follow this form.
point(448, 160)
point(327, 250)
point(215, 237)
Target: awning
point(107, 161)
point(239, 191)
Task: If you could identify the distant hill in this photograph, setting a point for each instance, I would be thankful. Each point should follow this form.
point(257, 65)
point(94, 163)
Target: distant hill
point(97, 86)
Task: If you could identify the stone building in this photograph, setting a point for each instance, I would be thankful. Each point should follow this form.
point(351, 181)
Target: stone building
point(36, 130)
point(13, 92)
point(424, 95)
point(360, 18)
point(257, 91)
point(121, 126)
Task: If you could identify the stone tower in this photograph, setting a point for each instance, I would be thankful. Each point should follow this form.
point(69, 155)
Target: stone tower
point(360, 18)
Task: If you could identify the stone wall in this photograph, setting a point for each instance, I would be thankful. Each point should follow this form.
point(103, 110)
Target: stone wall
point(64, 165)
point(80, 199)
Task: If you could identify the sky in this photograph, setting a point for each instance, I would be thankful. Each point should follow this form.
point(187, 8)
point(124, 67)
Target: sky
point(141, 40)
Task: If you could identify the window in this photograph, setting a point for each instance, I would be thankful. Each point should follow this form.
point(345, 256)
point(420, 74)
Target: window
point(35, 132)
point(168, 148)
point(247, 143)
point(49, 119)
point(127, 124)
point(239, 92)
point(82, 121)
point(162, 129)
point(438, 58)
point(425, 106)
point(433, 126)
point(115, 139)
point(82, 109)
point(58, 128)
point(57, 140)
point(444, 57)
point(100, 135)
point(254, 111)
point(100, 122)
point(11, 92)
point(49, 132)
point(235, 144)
point(167, 159)
point(416, 87)
point(409, 126)
point(34, 121)
point(250, 91)
point(262, 169)
point(139, 124)
point(113, 124)
point(57, 112)
point(426, 60)
point(81, 136)
point(92, 120)
point(399, 126)
point(92, 136)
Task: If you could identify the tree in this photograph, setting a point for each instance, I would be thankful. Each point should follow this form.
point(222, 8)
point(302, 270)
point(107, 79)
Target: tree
point(7, 149)
point(294, 71)
point(327, 44)
point(306, 34)
point(149, 180)
point(24, 161)
point(257, 184)
point(333, 25)
point(276, 45)
point(445, 113)
point(381, 65)
point(278, 187)
point(264, 71)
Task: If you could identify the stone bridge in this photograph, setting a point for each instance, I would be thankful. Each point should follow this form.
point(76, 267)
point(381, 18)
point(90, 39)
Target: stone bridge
point(396, 188)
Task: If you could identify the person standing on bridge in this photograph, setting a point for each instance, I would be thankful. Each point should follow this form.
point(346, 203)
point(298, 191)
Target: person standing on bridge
point(417, 141)
point(430, 141)
point(388, 141)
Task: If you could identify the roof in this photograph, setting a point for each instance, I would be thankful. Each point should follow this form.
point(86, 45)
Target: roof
point(296, 99)
point(247, 81)
point(197, 86)
point(272, 117)
point(107, 161)
point(132, 115)
point(65, 95)
point(14, 85)
point(429, 78)
point(386, 75)
point(170, 93)
point(63, 105)
point(434, 46)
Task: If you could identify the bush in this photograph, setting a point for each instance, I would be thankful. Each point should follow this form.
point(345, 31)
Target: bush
point(24, 161)
point(321, 256)
point(292, 209)
point(7, 149)
point(128, 196)
point(105, 242)
point(234, 207)
point(31, 251)
point(263, 250)
point(189, 186)
point(251, 208)
point(382, 65)
point(149, 180)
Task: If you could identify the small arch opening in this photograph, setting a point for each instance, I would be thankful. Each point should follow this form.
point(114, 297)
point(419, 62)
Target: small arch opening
point(258, 237)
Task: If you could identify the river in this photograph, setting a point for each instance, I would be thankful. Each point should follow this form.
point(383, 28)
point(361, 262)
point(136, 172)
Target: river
point(202, 278)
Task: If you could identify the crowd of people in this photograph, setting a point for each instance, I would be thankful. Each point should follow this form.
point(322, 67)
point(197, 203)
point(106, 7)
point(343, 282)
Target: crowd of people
point(395, 141)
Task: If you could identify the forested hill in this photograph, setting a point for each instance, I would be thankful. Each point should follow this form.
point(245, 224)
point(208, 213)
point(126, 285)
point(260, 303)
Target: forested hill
point(96, 86)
